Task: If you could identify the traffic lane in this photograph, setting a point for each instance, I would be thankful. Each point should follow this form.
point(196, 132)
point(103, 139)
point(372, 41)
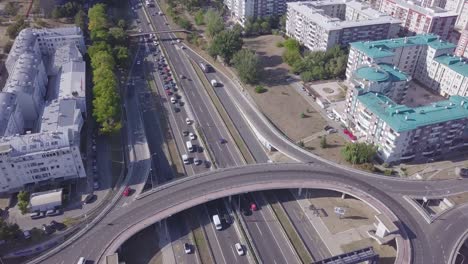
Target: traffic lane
point(307, 232)
point(210, 128)
point(179, 125)
point(218, 252)
point(228, 236)
point(267, 247)
point(209, 120)
point(179, 233)
point(255, 147)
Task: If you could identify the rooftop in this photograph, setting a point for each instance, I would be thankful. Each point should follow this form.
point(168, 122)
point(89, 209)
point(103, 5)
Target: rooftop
point(457, 64)
point(402, 118)
point(385, 48)
point(428, 11)
point(7, 108)
point(61, 114)
point(381, 73)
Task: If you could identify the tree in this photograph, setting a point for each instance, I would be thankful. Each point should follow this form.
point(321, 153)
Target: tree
point(23, 201)
point(358, 153)
point(15, 28)
point(214, 22)
point(102, 59)
point(247, 64)
point(80, 18)
point(118, 35)
point(97, 17)
point(199, 18)
point(323, 142)
point(8, 231)
point(225, 44)
point(121, 55)
point(260, 89)
point(122, 24)
point(291, 44)
point(57, 12)
point(11, 8)
point(7, 47)
point(97, 47)
point(266, 28)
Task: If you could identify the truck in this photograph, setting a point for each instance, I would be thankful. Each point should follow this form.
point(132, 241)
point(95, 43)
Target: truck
point(217, 222)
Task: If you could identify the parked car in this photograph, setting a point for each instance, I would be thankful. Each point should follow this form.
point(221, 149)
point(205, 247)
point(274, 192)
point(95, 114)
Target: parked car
point(47, 229)
point(37, 215)
point(187, 248)
point(188, 121)
point(53, 212)
point(27, 234)
point(57, 226)
point(176, 109)
point(222, 141)
point(197, 161)
point(185, 133)
point(192, 136)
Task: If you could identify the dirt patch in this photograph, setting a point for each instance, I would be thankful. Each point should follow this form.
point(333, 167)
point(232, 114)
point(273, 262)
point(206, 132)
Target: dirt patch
point(282, 104)
point(333, 150)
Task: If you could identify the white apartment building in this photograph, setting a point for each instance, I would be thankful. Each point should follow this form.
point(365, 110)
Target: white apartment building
point(461, 8)
point(320, 25)
point(378, 73)
point(462, 46)
point(242, 10)
point(420, 20)
point(41, 109)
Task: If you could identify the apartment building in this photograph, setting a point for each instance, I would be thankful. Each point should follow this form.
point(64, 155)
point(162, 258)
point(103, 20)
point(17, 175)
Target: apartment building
point(462, 46)
point(404, 134)
point(379, 73)
point(320, 25)
point(419, 20)
point(41, 109)
point(461, 8)
point(242, 10)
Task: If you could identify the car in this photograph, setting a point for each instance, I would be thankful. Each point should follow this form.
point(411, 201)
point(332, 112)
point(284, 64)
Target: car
point(188, 121)
point(331, 115)
point(26, 234)
point(331, 131)
point(139, 30)
point(253, 206)
point(178, 40)
point(95, 185)
point(56, 225)
point(47, 229)
point(182, 47)
point(127, 191)
point(176, 109)
point(180, 102)
point(222, 141)
point(168, 92)
point(327, 127)
point(207, 164)
point(53, 212)
point(138, 62)
point(187, 248)
point(182, 76)
point(192, 136)
point(89, 198)
point(37, 215)
point(172, 42)
point(173, 100)
point(185, 133)
point(197, 161)
point(239, 249)
point(167, 24)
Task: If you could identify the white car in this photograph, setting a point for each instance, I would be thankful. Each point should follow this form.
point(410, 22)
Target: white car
point(188, 121)
point(192, 136)
point(239, 249)
point(173, 100)
point(182, 47)
point(331, 115)
point(178, 40)
point(138, 62)
point(197, 161)
point(187, 248)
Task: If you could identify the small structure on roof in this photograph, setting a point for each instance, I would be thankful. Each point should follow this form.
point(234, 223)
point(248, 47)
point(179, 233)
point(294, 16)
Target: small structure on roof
point(43, 201)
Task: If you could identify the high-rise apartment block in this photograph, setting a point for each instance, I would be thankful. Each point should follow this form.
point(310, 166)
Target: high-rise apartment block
point(41, 108)
point(242, 10)
point(462, 46)
point(320, 25)
point(461, 8)
point(420, 20)
point(379, 74)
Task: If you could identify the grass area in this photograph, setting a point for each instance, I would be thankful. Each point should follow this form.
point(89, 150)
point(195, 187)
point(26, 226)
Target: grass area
point(224, 115)
point(199, 237)
point(68, 221)
point(288, 227)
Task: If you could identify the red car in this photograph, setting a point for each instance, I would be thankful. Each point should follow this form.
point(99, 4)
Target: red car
point(168, 92)
point(127, 191)
point(253, 207)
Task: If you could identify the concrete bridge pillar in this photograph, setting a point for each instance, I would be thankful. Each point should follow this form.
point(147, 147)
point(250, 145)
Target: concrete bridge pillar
point(299, 191)
point(384, 230)
point(343, 196)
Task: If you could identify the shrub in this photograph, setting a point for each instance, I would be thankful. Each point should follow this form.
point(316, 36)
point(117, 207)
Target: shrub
point(323, 142)
point(260, 89)
point(300, 144)
point(388, 172)
point(279, 44)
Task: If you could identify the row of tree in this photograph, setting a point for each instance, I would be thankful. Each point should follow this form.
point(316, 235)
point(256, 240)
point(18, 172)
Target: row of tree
point(263, 25)
point(315, 65)
point(68, 10)
point(8, 231)
point(104, 60)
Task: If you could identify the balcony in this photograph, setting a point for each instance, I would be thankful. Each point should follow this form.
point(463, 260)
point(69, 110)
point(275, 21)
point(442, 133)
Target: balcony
point(407, 156)
point(427, 152)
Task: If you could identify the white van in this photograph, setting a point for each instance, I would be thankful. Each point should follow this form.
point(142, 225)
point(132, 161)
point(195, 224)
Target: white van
point(217, 222)
point(81, 260)
point(214, 83)
point(185, 158)
point(189, 145)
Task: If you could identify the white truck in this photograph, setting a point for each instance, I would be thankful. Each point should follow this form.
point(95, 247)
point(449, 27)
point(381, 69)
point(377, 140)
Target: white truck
point(217, 222)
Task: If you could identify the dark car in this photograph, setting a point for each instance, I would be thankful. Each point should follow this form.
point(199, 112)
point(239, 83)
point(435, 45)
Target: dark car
point(57, 226)
point(176, 109)
point(47, 229)
point(222, 141)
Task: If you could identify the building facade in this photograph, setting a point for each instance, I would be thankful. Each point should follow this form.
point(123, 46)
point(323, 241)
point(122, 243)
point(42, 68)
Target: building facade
point(320, 25)
point(41, 109)
point(420, 20)
point(242, 10)
point(378, 74)
point(462, 46)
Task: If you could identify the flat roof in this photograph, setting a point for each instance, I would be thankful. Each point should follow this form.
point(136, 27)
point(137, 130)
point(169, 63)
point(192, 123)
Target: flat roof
point(402, 118)
point(384, 48)
point(47, 197)
point(381, 72)
point(428, 11)
point(457, 64)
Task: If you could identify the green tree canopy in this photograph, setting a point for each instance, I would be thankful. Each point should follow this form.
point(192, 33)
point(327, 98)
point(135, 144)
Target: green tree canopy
point(80, 18)
point(214, 22)
point(97, 17)
point(118, 35)
point(247, 64)
point(8, 231)
point(358, 153)
point(225, 44)
point(199, 18)
point(121, 55)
